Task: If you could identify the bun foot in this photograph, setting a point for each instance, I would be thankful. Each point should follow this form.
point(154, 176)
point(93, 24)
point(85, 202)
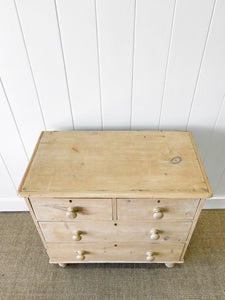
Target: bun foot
point(170, 265)
point(62, 265)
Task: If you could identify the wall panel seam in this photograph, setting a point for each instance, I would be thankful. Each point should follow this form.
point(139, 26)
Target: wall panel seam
point(64, 63)
point(167, 62)
point(29, 63)
point(98, 58)
point(7, 170)
point(14, 119)
point(132, 67)
point(200, 65)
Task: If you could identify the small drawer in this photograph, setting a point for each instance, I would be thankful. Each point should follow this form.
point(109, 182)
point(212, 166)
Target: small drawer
point(156, 209)
point(78, 232)
point(152, 232)
point(110, 252)
point(87, 231)
point(69, 209)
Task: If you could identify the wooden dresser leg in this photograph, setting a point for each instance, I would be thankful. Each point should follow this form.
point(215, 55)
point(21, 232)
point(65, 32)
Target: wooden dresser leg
point(62, 265)
point(170, 265)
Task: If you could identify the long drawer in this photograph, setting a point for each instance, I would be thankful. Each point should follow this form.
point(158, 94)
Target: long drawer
point(89, 231)
point(69, 209)
point(109, 252)
point(154, 209)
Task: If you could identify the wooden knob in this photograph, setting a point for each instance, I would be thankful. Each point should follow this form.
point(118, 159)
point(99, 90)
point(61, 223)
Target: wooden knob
point(170, 265)
point(62, 265)
point(76, 235)
point(150, 256)
point(71, 213)
point(80, 255)
point(154, 234)
point(157, 213)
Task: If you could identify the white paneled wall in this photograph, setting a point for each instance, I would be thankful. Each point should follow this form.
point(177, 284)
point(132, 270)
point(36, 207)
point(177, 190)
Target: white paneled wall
point(111, 64)
point(40, 31)
point(153, 28)
point(115, 24)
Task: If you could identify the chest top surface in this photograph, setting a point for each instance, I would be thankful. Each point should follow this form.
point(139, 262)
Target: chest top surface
point(115, 164)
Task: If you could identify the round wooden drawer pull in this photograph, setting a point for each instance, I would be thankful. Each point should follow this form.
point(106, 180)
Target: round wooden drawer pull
point(76, 235)
point(157, 213)
point(154, 234)
point(71, 213)
point(80, 254)
point(150, 256)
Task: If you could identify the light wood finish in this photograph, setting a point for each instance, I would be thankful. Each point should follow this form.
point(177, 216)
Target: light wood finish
point(109, 252)
point(150, 256)
point(115, 196)
point(114, 209)
point(80, 254)
point(154, 234)
point(77, 235)
point(170, 265)
point(54, 209)
point(30, 163)
point(163, 209)
point(71, 212)
point(199, 209)
point(123, 163)
point(173, 232)
point(62, 265)
point(201, 165)
point(157, 213)
point(35, 221)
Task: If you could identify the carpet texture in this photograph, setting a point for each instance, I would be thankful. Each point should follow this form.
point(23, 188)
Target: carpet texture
point(26, 274)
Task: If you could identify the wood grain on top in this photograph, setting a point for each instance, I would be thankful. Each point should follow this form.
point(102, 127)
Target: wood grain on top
point(116, 163)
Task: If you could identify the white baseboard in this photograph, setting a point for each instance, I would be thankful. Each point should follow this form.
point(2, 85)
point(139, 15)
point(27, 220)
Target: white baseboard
point(13, 204)
point(215, 203)
point(18, 204)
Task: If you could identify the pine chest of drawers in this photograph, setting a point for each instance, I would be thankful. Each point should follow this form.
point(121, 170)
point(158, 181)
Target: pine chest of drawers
point(106, 196)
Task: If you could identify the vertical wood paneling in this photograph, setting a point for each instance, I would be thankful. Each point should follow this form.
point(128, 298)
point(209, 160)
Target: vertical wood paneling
point(220, 188)
point(211, 85)
point(11, 145)
point(7, 189)
point(116, 31)
point(79, 39)
point(40, 29)
point(17, 77)
point(153, 28)
point(191, 24)
point(215, 152)
point(111, 64)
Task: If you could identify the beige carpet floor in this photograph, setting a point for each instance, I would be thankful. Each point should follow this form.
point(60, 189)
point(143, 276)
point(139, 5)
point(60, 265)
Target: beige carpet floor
point(26, 274)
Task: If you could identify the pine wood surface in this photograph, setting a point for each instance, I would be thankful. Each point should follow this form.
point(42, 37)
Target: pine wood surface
point(115, 196)
point(122, 164)
point(55, 209)
point(108, 252)
point(129, 231)
point(194, 223)
point(143, 209)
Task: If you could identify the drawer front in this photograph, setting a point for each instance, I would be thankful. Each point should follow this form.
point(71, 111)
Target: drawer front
point(109, 252)
point(87, 231)
point(156, 209)
point(78, 232)
point(152, 232)
point(58, 209)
